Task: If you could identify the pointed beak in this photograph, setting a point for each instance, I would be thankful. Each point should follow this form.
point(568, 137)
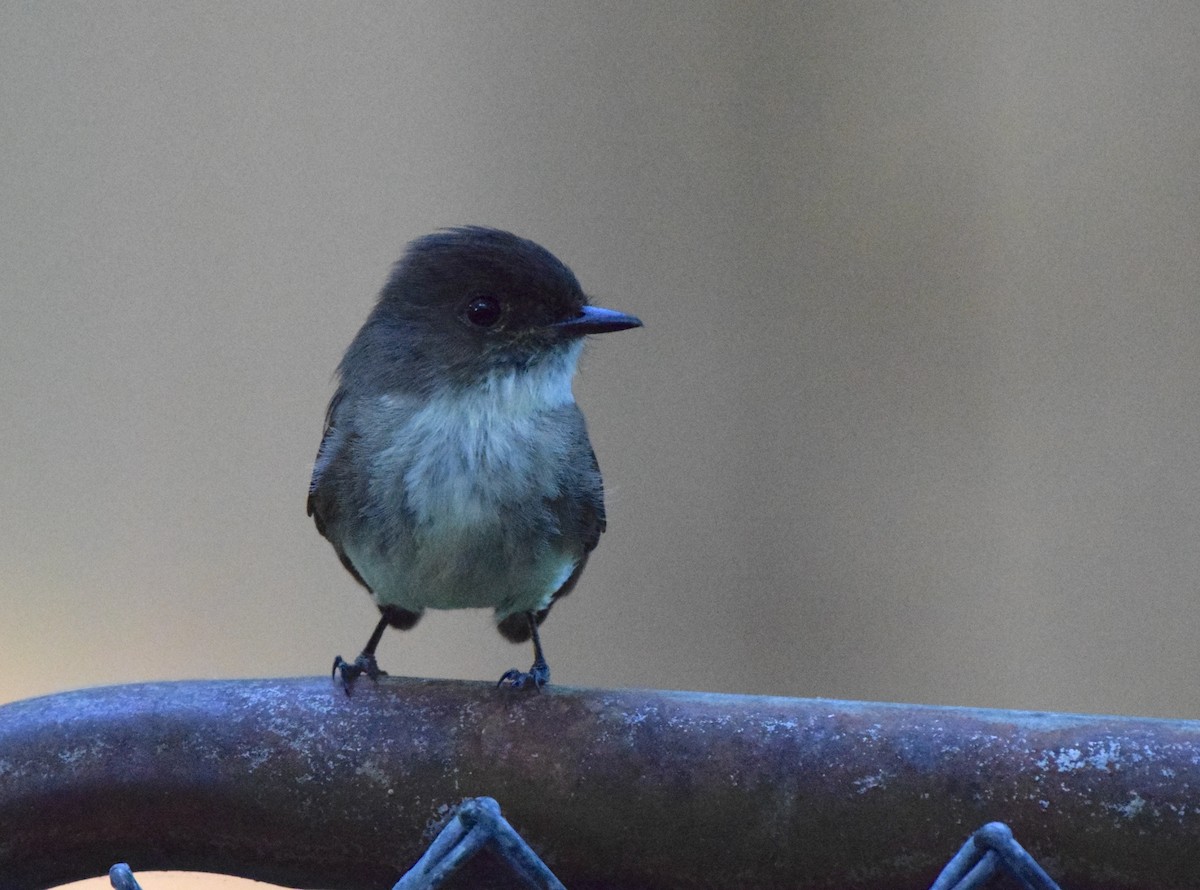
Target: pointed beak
point(597, 320)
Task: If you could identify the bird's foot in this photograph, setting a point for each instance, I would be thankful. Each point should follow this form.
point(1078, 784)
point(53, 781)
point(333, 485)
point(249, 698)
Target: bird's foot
point(352, 670)
point(537, 677)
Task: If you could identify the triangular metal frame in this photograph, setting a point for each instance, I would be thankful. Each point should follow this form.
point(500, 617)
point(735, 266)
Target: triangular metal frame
point(476, 824)
point(988, 850)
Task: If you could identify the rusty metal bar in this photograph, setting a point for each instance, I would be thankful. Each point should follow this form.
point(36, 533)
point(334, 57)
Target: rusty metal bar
point(292, 781)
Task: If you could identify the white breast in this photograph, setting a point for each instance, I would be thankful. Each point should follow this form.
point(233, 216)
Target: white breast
point(468, 452)
point(451, 466)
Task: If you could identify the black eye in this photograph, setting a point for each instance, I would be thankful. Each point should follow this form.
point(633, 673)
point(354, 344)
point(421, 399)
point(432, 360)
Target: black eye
point(483, 312)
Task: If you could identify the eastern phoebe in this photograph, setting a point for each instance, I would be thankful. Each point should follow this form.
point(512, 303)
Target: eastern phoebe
point(455, 470)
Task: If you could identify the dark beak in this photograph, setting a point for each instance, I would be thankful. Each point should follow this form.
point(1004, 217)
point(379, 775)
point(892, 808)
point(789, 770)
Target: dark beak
point(597, 320)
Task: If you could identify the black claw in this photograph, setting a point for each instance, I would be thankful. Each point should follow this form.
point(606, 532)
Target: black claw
point(351, 671)
point(537, 676)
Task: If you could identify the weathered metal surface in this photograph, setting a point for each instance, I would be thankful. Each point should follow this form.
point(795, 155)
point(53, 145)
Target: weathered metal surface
point(294, 782)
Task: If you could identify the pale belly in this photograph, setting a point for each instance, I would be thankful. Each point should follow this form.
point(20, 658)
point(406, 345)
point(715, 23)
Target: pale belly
point(457, 516)
point(463, 568)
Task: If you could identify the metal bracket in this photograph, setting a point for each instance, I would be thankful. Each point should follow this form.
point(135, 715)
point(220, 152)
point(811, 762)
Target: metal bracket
point(476, 824)
point(987, 851)
point(121, 877)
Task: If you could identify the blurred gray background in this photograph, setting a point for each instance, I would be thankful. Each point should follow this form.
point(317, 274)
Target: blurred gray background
point(914, 415)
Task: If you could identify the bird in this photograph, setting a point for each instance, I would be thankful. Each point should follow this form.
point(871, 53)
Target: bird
point(455, 469)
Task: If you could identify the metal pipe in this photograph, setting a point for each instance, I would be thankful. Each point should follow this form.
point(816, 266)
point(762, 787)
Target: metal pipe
point(294, 782)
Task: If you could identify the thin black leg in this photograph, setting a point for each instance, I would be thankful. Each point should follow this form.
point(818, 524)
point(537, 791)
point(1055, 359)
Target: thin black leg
point(539, 673)
point(365, 663)
point(540, 669)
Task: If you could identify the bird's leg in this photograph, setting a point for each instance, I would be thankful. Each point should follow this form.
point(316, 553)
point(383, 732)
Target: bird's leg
point(539, 673)
point(365, 663)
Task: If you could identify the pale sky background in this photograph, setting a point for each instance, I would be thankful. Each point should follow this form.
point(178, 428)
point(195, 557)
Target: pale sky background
point(915, 415)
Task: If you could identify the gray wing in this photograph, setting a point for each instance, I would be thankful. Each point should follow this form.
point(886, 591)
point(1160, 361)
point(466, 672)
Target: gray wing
point(332, 439)
point(323, 506)
point(579, 511)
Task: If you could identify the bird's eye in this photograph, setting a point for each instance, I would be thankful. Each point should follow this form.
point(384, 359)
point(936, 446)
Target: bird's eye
point(483, 312)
